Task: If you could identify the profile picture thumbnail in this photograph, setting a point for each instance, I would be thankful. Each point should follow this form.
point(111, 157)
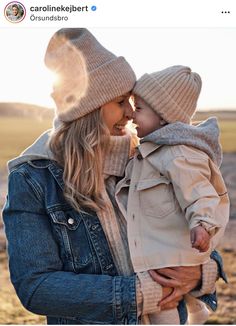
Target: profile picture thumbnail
point(15, 12)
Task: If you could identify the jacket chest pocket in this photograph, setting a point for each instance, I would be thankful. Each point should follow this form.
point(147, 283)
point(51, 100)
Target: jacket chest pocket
point(156, 197)
point(74, 241)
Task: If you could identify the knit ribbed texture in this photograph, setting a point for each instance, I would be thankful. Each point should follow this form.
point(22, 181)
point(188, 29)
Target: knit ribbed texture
point(89, 75)
point(111, 219)
point(209, 277)
point(111, 229)
point(115, 164)
point(139, 297)
point(172, 93)
point(113, 222)
point(152, 293)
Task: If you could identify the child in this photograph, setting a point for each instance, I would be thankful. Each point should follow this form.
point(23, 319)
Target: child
point(173, 184)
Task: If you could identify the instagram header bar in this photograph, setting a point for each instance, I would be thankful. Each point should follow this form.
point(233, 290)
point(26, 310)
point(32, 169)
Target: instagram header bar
point(122, 13)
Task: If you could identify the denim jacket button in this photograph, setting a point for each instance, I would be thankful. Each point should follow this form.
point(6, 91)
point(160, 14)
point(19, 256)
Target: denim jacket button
point(70, 221)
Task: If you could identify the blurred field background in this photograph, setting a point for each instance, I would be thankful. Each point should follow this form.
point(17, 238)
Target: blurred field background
point(21, 124)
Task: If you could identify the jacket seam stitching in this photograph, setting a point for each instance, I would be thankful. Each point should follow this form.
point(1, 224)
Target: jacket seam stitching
point(30, 182)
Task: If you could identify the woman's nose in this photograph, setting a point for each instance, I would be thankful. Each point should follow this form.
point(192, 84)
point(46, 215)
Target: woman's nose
point(128, 111)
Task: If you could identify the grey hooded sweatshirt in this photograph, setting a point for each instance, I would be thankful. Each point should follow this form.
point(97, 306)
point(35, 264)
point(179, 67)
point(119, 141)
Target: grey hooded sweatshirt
point(204, 136)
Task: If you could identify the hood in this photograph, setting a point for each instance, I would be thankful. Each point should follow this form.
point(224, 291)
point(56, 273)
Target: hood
point(204, 136)
point(37, 151)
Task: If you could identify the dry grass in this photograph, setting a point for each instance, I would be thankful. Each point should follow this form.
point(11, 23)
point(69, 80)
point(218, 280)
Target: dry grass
point(11, 310)
point(228, 136)
point(15, 135)
point(18, 133)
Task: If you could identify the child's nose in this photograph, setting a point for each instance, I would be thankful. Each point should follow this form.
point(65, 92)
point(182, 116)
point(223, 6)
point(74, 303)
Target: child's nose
point(133, 115)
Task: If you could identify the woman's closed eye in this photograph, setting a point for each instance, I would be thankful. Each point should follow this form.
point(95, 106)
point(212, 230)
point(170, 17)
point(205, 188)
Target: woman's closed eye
point(120, 100)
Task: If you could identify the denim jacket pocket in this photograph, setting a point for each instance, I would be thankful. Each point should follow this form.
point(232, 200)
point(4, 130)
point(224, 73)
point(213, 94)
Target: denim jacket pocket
point(75, 244)
point(156, 197)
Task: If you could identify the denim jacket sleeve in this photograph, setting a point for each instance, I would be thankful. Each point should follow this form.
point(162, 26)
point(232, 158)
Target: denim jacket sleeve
point(37, 273)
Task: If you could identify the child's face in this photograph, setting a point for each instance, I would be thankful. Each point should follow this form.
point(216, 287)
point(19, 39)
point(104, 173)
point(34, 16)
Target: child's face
point(145, 118)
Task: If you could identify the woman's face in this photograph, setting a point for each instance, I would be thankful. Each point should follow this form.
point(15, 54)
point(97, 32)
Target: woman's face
point(116, 114)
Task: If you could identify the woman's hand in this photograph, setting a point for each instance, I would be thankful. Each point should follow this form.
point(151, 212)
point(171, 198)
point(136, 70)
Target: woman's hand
point(182, 279)
point(167, 292)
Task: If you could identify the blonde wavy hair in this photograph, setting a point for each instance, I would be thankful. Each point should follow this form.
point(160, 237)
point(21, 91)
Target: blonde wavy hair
point(79, 146)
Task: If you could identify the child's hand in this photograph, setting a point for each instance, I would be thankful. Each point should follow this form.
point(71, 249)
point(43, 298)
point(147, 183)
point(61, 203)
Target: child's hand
point(200, 238)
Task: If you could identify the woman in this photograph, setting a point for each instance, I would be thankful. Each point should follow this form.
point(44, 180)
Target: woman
point(67, 243)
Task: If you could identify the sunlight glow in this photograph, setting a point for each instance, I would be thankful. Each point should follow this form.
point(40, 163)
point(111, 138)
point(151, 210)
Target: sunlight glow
point(210, 52)
point(72, 78)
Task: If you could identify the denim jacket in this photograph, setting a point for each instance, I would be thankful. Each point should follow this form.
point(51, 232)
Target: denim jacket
point(60, 262)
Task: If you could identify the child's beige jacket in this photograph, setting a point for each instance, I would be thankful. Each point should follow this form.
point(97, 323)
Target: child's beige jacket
point(167, 190)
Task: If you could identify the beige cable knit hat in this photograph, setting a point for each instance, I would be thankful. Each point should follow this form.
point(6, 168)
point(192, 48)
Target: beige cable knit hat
point(88, 74)
point(172, 92)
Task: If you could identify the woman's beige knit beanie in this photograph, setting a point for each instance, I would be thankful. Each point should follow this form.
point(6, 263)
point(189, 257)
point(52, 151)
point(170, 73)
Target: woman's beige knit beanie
point(88, 74)
point(172, 93)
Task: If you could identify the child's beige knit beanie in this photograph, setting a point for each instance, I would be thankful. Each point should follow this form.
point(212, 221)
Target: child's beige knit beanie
point(88, 74)
point(172, 92)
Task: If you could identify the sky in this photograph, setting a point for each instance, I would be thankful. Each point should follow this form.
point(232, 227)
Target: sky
point(210, 52)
